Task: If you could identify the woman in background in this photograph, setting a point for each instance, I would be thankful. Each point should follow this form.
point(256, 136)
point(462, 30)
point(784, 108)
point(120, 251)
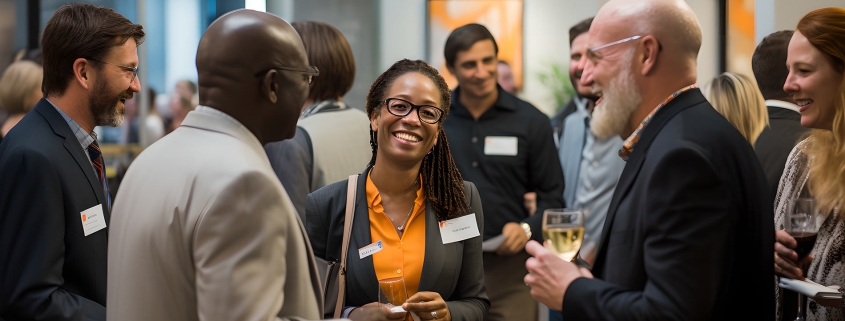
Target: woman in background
point(737, 98)
point(412, 183)
point(816, 81)
point(20, 90)
point(331, 137)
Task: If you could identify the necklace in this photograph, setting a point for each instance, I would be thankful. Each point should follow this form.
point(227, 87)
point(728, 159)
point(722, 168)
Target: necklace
point(407, 216)
point(401, 227)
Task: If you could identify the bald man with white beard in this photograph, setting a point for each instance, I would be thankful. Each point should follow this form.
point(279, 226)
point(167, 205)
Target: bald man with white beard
point(689, 231)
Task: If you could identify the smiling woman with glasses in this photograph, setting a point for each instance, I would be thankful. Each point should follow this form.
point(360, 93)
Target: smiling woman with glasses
point(411, 190)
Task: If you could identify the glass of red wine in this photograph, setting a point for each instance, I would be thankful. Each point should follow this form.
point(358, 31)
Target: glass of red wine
point(803, 223)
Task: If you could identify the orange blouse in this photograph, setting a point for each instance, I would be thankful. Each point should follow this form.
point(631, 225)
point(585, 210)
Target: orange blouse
point(396, 259)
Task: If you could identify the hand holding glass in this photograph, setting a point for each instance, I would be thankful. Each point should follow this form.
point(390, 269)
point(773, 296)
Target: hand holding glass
point(563, 231)
point(802, 223)
point(392, 293)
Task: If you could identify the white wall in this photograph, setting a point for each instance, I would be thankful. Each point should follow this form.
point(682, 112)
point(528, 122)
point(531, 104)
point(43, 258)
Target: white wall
point(707, 12)
point(402, 31)
point(183, 35)
point(788, 12)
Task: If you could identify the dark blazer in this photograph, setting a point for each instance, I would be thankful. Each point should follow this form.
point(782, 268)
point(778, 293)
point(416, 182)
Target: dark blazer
point(49, 269)
point(453, 270)
point(776, 142)
point(689, 232)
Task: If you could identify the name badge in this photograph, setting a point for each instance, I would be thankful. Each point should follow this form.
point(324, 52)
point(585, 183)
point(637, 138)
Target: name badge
point(93, 219)
point(500, 146)
point(370, 249)
point(459, 229)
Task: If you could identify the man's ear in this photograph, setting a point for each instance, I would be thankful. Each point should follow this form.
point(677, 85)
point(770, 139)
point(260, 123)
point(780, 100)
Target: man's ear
point(82, 71)
point(651, 52)
point(270, 86)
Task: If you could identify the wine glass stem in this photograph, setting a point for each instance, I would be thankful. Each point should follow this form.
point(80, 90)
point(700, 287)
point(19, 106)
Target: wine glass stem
point(800, 315)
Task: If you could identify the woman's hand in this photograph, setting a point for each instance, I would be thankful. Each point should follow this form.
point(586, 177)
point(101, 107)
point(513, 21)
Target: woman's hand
point(428, 306)
point(375, 312)
point(785, 257)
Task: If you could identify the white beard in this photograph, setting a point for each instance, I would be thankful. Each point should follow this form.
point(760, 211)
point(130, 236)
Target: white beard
point(619, 101)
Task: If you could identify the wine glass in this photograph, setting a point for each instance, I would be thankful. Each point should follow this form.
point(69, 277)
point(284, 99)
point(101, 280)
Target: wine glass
point(802, 223)
point(563, 231)
point(392, 292)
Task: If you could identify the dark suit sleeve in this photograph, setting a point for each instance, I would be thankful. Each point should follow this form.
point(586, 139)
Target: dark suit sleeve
point(469, 301)
point(31, 243)
point(686, 222)
point(293, 162)
point(544, 174)
point(316, 226)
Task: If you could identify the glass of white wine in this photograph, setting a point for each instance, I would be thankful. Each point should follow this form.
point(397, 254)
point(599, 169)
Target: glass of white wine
point(563, 231)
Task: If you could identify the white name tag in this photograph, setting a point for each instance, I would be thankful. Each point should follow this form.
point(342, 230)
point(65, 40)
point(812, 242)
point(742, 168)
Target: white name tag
point(500, 146)
point(93, 219)
point(459, 229)
point(370, 249)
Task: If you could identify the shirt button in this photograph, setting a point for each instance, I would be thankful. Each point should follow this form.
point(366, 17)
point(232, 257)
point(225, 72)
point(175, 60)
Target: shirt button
point(586, 212)
point(474, 164)
point(592, 188)
point(595, 164)
point(398, 271)
point(475, 139)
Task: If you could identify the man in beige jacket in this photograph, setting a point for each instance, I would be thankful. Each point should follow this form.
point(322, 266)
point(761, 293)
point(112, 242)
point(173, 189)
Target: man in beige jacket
point(201, 228)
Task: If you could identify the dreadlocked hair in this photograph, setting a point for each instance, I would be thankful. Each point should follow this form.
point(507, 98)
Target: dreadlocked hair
point(442, 182)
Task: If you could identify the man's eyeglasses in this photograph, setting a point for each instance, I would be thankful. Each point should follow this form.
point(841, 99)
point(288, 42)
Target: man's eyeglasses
point(134, 70)
point(401, 108)
point(591, 52)
point(308, 75)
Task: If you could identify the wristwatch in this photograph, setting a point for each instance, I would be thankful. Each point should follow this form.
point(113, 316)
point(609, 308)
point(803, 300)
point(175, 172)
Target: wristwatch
point(527, 229)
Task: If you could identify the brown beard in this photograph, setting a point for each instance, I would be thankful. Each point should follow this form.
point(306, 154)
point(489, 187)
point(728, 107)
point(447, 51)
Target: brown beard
point(104, 106)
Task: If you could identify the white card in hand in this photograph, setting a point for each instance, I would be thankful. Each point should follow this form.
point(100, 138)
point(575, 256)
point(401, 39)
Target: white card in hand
point(500, 146)
point(397, 309)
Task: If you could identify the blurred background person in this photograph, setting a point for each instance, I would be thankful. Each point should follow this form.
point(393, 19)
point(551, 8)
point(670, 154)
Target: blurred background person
point(180, 106)
point(20, 90)
point(412, 183)
point(188, 89)
point(816, 82)
point(331, 137)
point(153, 124)
point(736, 97)
point(505, 77)
point(784, 131)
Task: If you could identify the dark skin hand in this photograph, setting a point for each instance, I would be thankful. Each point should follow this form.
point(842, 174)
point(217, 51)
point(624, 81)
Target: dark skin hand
point(374, 312)
point(423, 303)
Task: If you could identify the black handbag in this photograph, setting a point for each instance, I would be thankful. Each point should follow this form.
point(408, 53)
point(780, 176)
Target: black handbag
point(333, 272)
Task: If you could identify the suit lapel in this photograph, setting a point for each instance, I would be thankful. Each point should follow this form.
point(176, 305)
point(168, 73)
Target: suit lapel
point(434, 249)
point(62, 129)
point(637, 158)
point(364, 269)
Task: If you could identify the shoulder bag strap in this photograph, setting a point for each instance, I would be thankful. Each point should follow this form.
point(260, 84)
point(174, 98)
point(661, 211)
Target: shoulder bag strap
point(351, 187)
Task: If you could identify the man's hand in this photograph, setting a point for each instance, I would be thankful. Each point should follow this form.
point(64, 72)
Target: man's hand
point(549, 276)
point(515, 239)
point(785, 257)
point(374, 312)
point(530, 200)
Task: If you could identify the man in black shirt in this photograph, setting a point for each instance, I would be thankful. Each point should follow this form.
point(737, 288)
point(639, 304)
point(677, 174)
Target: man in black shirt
point(505, 146)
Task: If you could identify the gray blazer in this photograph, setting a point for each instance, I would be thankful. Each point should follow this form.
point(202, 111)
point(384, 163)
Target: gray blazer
point(454, 270)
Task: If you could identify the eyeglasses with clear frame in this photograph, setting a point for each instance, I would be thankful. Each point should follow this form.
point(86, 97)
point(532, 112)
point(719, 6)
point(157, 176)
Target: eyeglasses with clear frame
point(591, 52)
point(134, 70)
point(307, 74)
point(400, 108)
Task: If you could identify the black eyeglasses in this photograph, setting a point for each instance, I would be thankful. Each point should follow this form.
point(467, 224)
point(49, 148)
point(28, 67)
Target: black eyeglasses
point(134, 70)
point(308, 75)
point(401, 108)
